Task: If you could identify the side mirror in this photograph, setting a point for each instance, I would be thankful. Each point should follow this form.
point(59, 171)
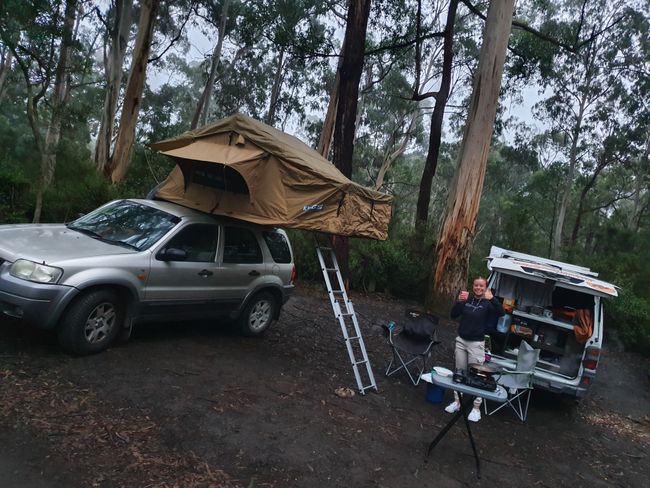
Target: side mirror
point(172, 254)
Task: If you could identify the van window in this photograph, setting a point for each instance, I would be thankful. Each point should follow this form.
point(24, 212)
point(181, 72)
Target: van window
point(241, 246)
point(199, 241)
point(278, 246)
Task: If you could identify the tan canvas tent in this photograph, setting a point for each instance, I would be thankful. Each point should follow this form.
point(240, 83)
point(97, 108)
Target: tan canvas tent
point(242, 168)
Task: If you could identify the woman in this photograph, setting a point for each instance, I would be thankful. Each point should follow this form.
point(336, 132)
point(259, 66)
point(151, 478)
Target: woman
point(475, 314)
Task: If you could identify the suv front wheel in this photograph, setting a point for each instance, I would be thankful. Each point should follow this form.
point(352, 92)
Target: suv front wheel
point(258, 314)
point(92, 322)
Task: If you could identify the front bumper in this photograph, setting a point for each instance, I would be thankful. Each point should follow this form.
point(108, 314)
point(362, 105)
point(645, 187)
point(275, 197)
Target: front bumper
point(36, 304)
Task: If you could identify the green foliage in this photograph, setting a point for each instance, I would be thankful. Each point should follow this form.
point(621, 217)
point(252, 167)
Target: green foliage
point(630, 315)
point(303, 245)
point(387, 266)
point(14, 194)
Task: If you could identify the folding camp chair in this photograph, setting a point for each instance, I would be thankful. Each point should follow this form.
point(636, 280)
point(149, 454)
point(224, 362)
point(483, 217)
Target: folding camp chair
point(518, 383)
point(411, 344)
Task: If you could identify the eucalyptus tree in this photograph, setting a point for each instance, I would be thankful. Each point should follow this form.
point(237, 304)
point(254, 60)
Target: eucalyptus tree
point(41, 37)
point(116, 22)
point(458, 225)
point(6, 58)
point(125, 139)
point(221, 13)
point(580, 83)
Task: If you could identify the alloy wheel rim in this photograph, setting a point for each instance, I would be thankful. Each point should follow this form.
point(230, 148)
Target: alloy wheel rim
point(100, 323)
point(260, 315)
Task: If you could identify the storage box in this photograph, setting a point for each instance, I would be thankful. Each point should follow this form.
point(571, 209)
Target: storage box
point(435, 393)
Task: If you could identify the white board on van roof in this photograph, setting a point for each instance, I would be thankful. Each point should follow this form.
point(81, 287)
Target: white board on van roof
point(545, 269)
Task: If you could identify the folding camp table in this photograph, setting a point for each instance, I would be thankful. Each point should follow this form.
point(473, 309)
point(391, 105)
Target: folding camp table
point(499, 396)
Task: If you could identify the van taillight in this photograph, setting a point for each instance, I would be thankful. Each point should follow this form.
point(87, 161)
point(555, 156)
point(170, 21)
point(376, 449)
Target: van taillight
point(591, 358)
point(294, 273)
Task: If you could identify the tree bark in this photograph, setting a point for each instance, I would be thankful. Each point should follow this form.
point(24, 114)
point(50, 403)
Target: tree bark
point(602, 163)
point(203, 107)
point(458, 225)
point(58, 102)
point(275, 89)
point(114, 63)
point(556, 244)
point(435, 135)
point(5, 68)
point(330, 117)
point(350, 75)
point(121, 158)
point(392, 156)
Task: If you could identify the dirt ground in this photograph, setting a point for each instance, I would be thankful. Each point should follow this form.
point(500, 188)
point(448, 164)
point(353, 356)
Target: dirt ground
point(196, 405)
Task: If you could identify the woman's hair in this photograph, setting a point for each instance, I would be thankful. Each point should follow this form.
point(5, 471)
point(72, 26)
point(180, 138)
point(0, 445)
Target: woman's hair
point(480, 278)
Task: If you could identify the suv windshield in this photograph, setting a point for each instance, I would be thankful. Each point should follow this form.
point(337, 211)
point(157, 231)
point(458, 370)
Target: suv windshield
point(127, 224)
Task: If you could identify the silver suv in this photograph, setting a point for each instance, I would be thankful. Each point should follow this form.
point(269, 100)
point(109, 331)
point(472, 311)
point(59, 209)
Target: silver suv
point(142, 259)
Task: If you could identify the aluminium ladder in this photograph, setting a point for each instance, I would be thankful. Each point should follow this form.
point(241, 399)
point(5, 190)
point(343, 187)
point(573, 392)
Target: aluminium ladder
point(344, 313)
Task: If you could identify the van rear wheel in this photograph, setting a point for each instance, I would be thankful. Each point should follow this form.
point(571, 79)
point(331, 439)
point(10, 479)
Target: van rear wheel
point(258, 314)
point(92, 322)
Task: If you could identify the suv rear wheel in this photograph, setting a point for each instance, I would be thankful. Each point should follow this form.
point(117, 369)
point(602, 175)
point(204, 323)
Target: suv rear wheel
point(92, 322)
point(258, 314)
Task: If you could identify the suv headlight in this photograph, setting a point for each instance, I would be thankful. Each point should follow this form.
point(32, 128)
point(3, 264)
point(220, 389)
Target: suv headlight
point(40, 273)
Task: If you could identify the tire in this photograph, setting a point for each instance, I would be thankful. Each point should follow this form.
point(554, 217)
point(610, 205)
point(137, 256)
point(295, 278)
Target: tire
point(92, 322)
point(258, 314)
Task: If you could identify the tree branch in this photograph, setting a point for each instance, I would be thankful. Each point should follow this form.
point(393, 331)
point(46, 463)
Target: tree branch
point(577, 45)
point(403, 44)
point(176, 38)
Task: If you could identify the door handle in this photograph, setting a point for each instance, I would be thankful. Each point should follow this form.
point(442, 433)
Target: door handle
point(254, 273)
point(204, 273)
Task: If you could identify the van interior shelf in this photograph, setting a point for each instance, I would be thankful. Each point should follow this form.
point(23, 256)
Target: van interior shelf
point(540, 318)
point(547, 347)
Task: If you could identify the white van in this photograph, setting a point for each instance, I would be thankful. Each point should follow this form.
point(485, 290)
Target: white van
point(557, 308)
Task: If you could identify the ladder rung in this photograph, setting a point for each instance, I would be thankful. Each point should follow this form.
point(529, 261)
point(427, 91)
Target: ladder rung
point(340, 301)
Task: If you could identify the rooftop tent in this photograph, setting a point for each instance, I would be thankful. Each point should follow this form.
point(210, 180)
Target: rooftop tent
point(242, 168)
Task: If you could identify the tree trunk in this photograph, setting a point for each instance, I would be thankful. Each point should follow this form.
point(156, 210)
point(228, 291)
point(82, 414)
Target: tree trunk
point(457, 230)
point(392, 156)
point(5, 68)
point(435, 135)
point(639, 206)
point(275, 89)
point(119, 39)
point(602, 163)
point(132, 99)
point(59, 96)
point(203, 107)
point(330, 117)
point(568, 184)
point(350, 75)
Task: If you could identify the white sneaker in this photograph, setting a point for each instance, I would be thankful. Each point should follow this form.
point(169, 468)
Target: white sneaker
point(452, 407)
point(474, 415)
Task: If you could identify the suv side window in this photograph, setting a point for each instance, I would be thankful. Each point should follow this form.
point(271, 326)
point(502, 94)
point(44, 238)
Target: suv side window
point(199, 241)
point(241, 246)
point(278, 246)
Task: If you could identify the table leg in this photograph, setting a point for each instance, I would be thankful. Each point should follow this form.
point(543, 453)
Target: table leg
point(444, 430)
point(464, 410)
